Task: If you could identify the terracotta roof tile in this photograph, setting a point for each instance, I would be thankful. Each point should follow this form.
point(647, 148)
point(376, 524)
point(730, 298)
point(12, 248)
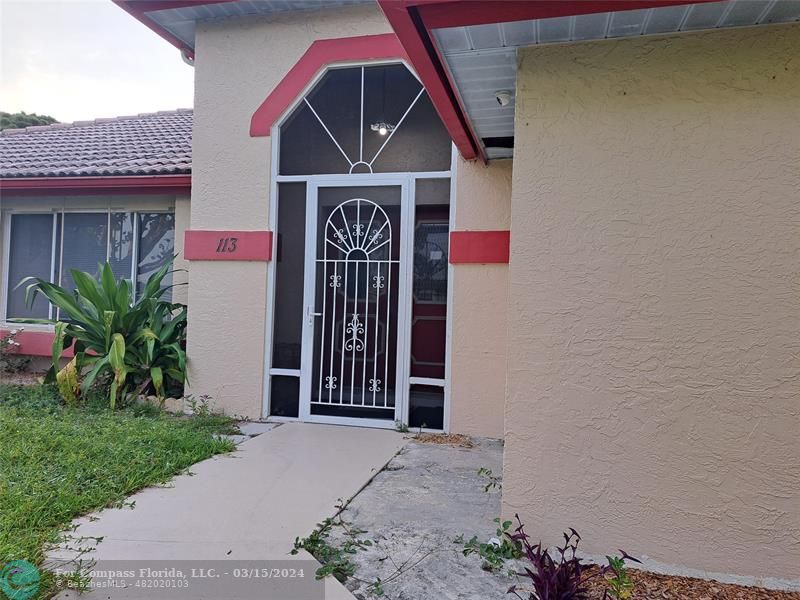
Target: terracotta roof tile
point(147, 144)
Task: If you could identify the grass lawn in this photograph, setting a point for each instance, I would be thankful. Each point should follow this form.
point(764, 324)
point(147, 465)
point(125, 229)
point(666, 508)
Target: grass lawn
point(57, 463)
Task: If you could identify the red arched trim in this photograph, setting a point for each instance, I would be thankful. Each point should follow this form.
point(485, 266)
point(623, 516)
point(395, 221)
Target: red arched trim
point(320, 54)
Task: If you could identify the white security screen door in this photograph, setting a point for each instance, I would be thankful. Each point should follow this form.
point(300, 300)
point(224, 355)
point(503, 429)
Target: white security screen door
point(356, 160)
point(355, 280)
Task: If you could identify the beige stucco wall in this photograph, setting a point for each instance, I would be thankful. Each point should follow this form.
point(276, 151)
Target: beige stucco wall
point(237, 64)
point(654, 381)
point(182, 220)
point(480, 304)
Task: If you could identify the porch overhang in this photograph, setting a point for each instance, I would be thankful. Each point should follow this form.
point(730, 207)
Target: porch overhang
point(176, 20)
point(465, 50)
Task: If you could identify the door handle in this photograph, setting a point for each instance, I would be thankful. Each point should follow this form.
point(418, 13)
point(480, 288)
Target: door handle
point(311, 314)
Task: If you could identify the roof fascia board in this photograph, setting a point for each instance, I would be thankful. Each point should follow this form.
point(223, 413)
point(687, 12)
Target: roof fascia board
point(424, 57)
point(136, 184)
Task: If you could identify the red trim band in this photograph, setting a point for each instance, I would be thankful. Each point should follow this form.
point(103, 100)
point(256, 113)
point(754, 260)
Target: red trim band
point(320, 54)
point(37, 343)
point(228, 245)
point(479, 247)
point(136, 184)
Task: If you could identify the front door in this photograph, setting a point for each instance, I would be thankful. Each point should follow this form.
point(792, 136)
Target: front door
point(356, 280)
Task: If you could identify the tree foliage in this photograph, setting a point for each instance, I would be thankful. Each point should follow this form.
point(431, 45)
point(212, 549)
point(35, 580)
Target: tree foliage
point(23, 119)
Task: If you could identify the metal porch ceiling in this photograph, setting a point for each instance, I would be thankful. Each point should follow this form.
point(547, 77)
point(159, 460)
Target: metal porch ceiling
point(482, 58)
point(182, 22)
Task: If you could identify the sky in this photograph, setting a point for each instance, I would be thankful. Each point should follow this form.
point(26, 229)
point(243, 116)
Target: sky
point(85, 59)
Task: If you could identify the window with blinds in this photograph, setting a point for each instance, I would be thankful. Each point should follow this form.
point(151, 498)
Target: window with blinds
point(30, 254)
point(49, 246)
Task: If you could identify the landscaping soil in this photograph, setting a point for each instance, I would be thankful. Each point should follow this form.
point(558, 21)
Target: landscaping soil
point(449, 439)
point(23, 378)
point(651, 586)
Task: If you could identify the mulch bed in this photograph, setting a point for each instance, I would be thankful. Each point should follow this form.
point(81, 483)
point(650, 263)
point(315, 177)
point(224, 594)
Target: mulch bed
point(450, 439)
point(23, 378)
point(651, 586)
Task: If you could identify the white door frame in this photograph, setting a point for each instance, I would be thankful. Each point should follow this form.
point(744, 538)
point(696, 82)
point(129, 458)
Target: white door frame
point(405, 183)
point(354, 179)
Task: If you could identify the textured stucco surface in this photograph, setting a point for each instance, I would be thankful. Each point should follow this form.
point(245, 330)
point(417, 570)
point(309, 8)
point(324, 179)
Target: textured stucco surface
point(238, 63)
point(480, 305)
point(654, 329)
point(182, 221)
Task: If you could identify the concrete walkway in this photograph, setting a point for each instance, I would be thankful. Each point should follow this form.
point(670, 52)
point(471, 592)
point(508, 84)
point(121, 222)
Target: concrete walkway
point(437, 497)
point(251, 504)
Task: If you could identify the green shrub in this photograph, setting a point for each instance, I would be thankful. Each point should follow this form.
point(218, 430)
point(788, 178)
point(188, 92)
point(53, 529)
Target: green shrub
point(130, 347)
point(10, 359)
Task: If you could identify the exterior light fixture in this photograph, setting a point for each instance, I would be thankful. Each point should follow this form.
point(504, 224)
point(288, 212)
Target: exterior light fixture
point(503, 97)
point(382, 128)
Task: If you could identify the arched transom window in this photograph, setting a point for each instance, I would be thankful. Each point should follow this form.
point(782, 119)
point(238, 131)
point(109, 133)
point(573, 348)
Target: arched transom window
point(370, 119)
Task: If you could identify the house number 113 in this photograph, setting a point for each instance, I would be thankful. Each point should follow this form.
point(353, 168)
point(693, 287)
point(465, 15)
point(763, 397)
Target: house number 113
point(227, 244)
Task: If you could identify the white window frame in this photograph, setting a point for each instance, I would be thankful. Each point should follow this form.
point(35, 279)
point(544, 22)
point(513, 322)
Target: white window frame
point(58, 253)
point(404, 380)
